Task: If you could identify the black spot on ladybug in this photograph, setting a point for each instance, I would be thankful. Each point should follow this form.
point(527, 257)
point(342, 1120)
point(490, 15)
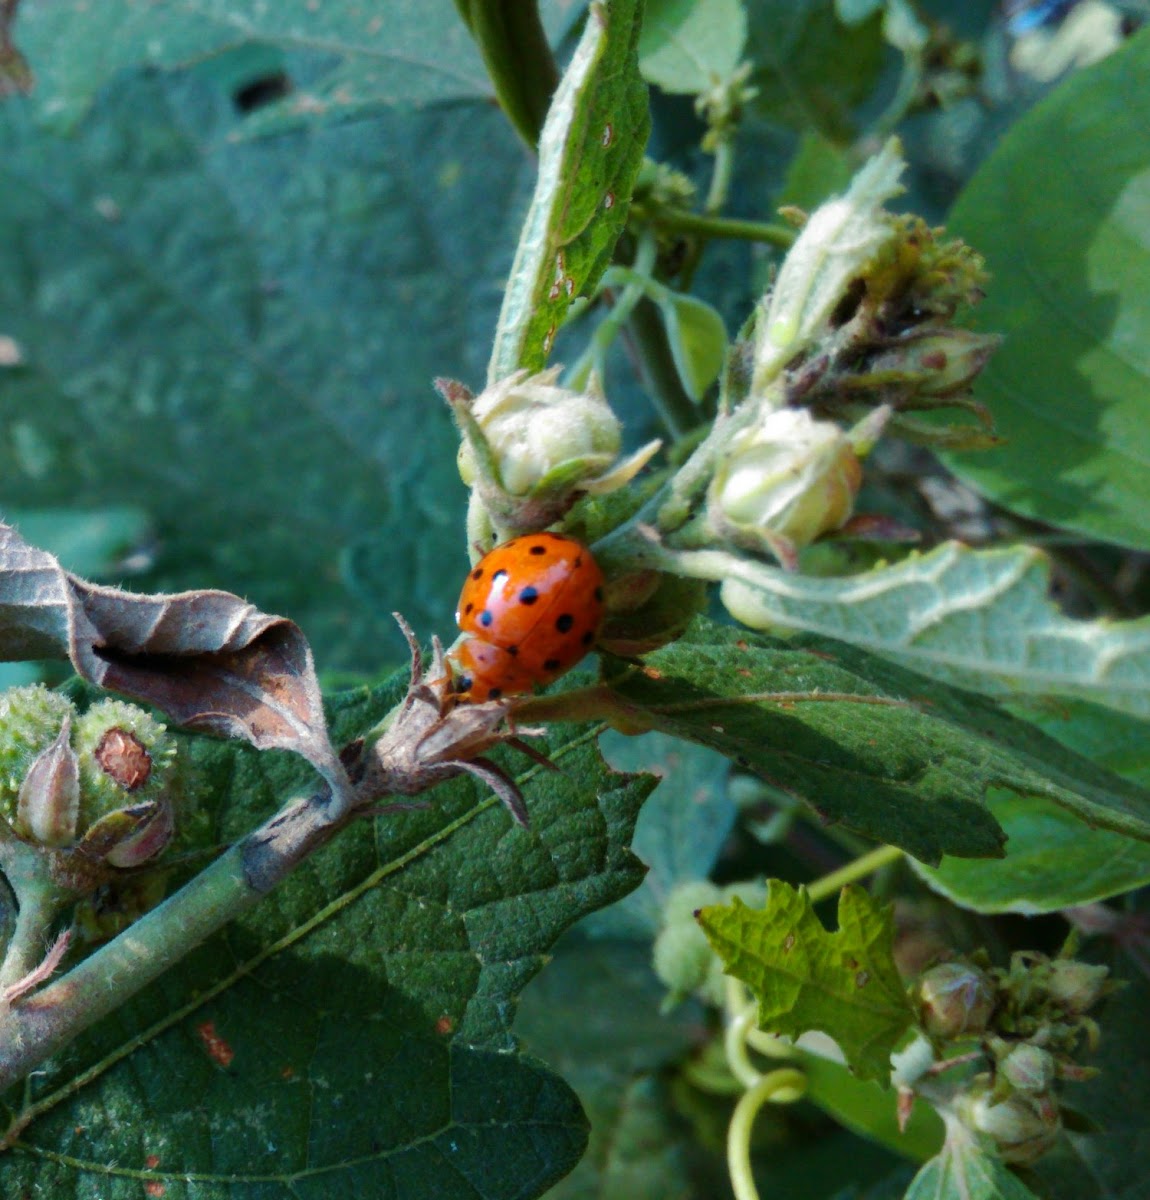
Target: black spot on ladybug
point(513, 650)
point(529, 595)
point(588, 637)
point(578, 562)
point(494, 693)
point(599, 594)
point(564, 622)
point(552, 664)
point(537, 549)
point(486, 617)
point(464, 683)
point(477, 573)
point(469, 608)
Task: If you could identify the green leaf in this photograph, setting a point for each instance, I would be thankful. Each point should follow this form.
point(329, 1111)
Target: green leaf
point(963, 1172)
point(688, 46)
point(239, 341)
point(351, 1033)
point(590, 152)
point(981, 619)
point(868, 1109)
point(1051, 861)
point(1069, 263)
point(811, 70)
point(844, 983)
point(698, 340)
point(888, 753)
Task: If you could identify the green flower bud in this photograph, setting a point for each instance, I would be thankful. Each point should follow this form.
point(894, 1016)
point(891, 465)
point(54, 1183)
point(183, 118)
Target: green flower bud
point(535, 428)
point(1029, 1068)
point(1077, 986)
point(30, 721)
point(682, 956)
point(124, 754)
point(784, 482)
point(683, 959)
point(955, 1000)
point(1023, 1127)
point(935, 362)
point(48, 806)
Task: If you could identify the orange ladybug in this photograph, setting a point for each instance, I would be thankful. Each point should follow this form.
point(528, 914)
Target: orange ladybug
point(533, 607)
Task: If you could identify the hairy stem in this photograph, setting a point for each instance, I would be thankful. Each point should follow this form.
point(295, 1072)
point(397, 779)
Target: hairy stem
point(39, 1026)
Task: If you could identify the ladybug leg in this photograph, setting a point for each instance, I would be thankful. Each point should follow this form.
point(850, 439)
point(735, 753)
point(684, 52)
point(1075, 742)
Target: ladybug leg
point(533, 754)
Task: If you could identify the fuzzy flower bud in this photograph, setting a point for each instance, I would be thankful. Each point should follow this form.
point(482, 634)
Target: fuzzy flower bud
point(955, 1000)
point(30, 721)
point(1023, 1127)
point(1077, 986)
point(48, 805)
point(1029, 1068)
point(535, 428)
point(123, 753)
point(785, 481)
point(934, 362)
point(90, 788)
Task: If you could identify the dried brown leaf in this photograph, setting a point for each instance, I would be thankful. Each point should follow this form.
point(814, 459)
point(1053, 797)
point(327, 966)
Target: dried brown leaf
point(208, 659)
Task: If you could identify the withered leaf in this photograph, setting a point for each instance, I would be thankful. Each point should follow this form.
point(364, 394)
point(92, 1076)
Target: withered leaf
point(209, 660)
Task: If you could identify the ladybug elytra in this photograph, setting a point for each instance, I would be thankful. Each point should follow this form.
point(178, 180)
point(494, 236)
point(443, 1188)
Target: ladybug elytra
point(533, 607)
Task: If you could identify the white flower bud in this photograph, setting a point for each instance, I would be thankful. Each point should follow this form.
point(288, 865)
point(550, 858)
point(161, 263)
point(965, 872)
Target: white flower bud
point(785, 481)
point(534, 428)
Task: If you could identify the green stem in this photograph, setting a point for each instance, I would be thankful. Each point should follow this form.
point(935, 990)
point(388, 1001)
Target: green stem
point(720, 177)
point(648, 335)
point(637, 278)
point(678, 220)
point(853, 871)
point(784, 1086)
point(902, 99)
point(41, 1025)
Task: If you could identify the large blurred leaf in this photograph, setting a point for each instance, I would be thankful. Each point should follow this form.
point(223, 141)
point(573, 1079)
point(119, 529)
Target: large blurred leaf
point(888, 753)
point(1051, 861)
point(240, 340)
point(349, 1035)
point(981, 619)
point(342, 57)
point(811, 70)
point(680, 831)
point(691, 45)
point(594, 1016)
point(1070, 261)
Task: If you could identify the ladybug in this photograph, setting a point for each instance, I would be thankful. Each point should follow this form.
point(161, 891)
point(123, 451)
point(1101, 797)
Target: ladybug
point(533, 607)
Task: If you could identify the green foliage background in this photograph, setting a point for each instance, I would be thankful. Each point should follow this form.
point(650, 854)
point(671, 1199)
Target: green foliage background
point(228, 308)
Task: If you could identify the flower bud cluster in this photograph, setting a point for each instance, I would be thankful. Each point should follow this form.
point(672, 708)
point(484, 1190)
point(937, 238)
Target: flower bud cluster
point(855, 334)
point(1030, 1022)
point(87, 788)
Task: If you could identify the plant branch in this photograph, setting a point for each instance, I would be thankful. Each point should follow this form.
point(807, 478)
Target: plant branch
point(677, 220)
point(38, 1027)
